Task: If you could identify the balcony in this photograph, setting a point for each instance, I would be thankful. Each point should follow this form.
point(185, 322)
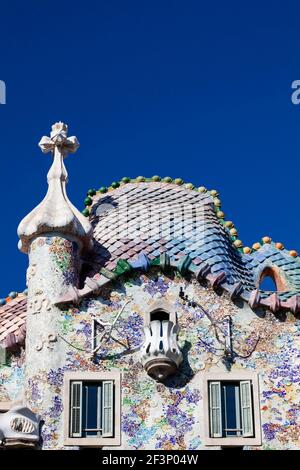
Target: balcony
point(19, 427)
point(160, 354)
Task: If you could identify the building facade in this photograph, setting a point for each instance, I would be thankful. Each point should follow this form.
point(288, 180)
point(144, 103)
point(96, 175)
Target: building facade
point(145, 324)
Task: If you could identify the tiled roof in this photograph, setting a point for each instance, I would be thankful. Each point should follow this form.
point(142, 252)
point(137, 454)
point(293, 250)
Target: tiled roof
point(143, 219)
point(157, 217)
point(12, 322)
point(139, 223)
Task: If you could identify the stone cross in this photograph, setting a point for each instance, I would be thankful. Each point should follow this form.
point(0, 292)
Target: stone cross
point(58, 140)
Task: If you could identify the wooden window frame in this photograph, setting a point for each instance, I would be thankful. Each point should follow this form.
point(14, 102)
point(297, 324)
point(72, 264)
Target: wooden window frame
point(92, 377)
point(236, 376)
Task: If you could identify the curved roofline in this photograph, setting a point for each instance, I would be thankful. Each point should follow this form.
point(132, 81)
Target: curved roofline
point(11, 296)
point(228, 224)
point(184, 266)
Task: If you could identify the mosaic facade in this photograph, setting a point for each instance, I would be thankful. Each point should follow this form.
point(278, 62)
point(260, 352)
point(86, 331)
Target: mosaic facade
point(168, 416)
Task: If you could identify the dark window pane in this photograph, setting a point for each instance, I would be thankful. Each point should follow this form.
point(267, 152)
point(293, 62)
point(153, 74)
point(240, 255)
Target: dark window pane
point(91, 409)
point(159, 315)
point(231, 409)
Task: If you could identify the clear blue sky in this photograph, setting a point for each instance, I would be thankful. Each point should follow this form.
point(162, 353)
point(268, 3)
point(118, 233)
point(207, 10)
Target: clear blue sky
point(197, 90)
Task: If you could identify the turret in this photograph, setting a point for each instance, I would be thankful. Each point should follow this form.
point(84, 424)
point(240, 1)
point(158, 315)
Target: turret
point(54, 235)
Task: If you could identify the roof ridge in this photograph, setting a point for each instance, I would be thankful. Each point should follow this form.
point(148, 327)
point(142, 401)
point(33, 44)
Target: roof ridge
point(11, 296)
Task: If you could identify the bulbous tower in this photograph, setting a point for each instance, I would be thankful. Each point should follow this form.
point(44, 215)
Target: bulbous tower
point(53, 235)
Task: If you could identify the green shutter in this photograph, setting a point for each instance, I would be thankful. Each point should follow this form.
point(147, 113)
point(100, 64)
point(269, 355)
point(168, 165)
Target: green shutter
point(215, 411)
point(75, 409)
point(246, 408)
point(107, 408)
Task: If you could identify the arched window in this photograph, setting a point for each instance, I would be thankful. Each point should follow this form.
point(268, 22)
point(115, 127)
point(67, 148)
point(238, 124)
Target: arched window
point(161, 310)
point(268, 283)
point(271, 280)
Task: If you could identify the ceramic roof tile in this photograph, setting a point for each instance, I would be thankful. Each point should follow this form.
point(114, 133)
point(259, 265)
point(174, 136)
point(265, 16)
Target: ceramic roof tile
point(155, 217)
point(158, 216)
point(13, 316)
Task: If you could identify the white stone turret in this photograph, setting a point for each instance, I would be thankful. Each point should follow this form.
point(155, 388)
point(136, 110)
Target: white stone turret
point(56, 213)
point(53, 235)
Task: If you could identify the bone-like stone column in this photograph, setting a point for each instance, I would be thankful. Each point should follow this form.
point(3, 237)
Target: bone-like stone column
point(53, 235)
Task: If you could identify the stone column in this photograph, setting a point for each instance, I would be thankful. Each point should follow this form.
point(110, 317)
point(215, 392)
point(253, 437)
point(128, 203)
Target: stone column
point(53, 266)
point(54, 235)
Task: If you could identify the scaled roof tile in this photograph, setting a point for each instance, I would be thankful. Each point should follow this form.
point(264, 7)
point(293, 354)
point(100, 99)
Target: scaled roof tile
point(154, 217)
point(12, 317)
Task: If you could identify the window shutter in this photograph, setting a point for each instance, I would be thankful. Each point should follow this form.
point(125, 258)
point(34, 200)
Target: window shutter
point(107, 408)
point(76, 412)
point(94, 334)
point(215, 409)
point(2, 356)
point(246, 408)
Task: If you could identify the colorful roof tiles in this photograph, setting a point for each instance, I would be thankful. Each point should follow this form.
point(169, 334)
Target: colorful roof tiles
point(12, 322)
point(149, 217)
point(152, 221)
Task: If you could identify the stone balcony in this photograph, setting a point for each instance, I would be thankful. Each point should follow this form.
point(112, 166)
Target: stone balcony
point(160, 354)
point(19, 427)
